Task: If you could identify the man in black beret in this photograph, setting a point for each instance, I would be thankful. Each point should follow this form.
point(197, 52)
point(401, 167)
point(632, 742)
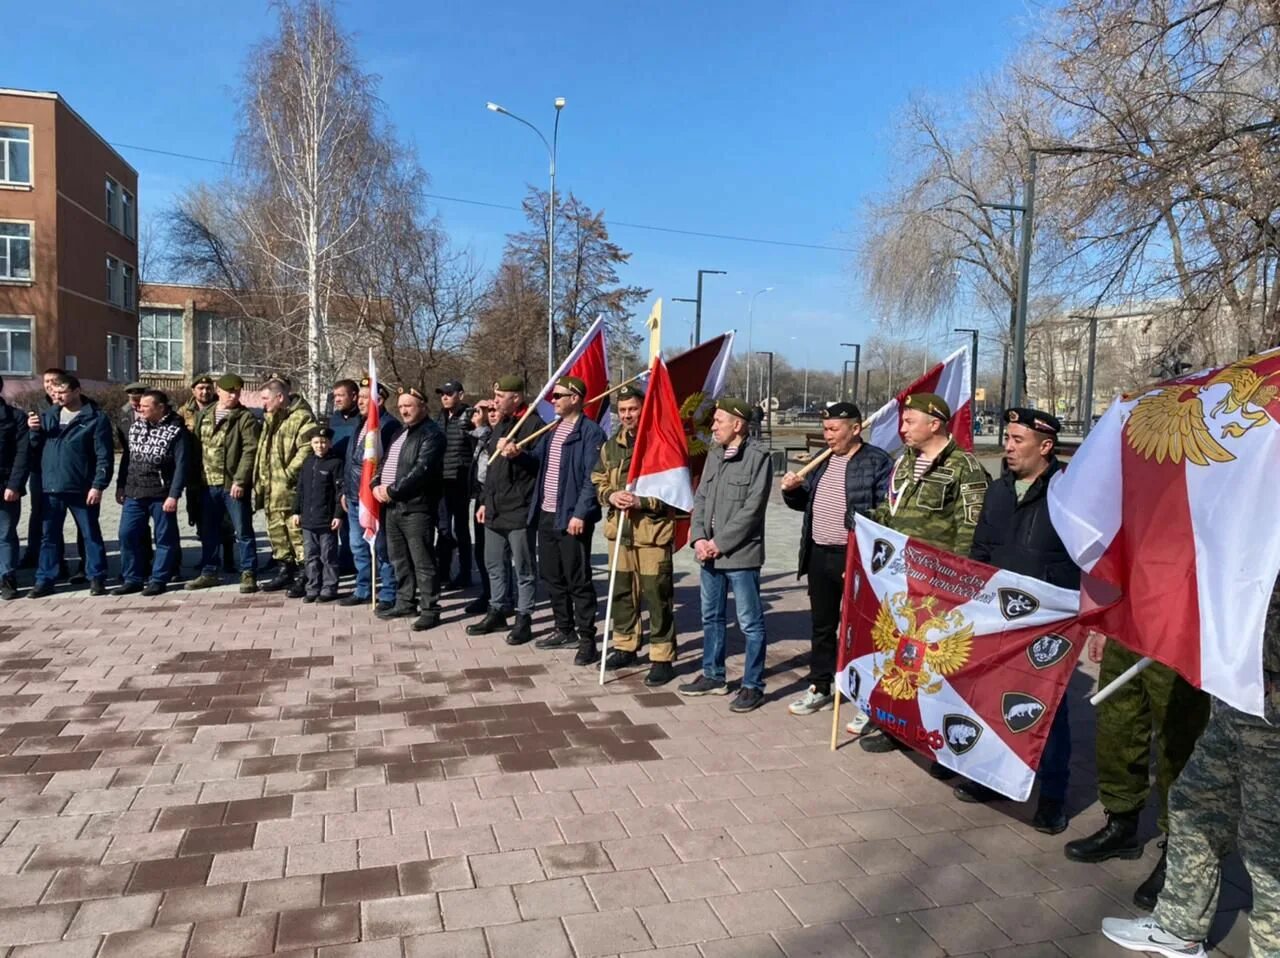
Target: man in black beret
point(853, 479)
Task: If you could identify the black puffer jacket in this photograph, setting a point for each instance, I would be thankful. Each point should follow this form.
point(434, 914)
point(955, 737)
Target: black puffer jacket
point(866, 483)
point(318, 500)
point(510, 483)
point(456, 426)
point(1019, 536)
point(418, 480)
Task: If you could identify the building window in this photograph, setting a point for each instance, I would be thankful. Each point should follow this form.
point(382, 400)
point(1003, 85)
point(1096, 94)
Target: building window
point(219, 342)
point(15, 250)
point(113, 203)
point(113, 281)
point(15, 155)
point(160, 339)
point(127, 287)
point(128, 214)
point(15, 345)
point(122, 358)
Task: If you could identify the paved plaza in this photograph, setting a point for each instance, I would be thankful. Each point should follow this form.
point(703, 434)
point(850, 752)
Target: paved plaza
point(215, 775)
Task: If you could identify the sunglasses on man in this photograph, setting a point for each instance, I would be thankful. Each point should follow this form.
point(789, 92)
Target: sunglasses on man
point(562, 395)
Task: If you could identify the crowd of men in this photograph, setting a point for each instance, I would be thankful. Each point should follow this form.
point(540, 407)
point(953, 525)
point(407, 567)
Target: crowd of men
point(495, 488)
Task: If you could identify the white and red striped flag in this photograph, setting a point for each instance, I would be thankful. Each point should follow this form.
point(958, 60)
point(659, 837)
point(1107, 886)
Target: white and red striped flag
point(1171, 501)
point(950, 380)
point(589, 361)
point(964, 662)
point(660, 459)
point(371, 508)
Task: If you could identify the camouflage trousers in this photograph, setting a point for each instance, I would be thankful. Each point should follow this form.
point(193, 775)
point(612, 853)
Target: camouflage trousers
point(1157, 704)
point(286, 541)
point(1228, 797)
point(644, 573)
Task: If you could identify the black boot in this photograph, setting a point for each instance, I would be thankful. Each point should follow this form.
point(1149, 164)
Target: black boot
point(298, 588)
point(620, 659)
point(1116, 839)
point(282, 579)
point(1050, 817)
point(522, 634)
point(1149, 890)
point(587, 652)
point(492, 622)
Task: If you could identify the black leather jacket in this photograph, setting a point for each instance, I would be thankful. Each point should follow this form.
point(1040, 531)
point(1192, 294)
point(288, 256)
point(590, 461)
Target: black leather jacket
point(419, 473)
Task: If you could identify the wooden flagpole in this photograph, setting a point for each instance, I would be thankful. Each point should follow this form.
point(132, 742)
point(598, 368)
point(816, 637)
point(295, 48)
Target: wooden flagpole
point(613, 578)
point(816, 461)
point(835, 715)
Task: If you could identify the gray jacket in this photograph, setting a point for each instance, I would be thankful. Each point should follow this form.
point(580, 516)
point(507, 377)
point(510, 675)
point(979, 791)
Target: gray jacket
point(730, 503)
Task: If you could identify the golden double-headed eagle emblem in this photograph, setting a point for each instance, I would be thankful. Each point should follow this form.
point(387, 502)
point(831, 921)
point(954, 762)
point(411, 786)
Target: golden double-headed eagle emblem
point(1170, 423)
point(697, 422)
point(934, 643)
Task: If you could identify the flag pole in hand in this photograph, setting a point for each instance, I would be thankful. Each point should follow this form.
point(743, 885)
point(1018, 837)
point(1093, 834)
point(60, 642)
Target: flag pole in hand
point(613, 578)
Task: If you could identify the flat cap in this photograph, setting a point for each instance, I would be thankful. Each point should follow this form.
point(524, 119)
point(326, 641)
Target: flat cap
point(630, 391)
point(136, 388)
point(930, 403)
point(734, 407)
point(841, 410)
point(449, 388)
point(203, 378)
point(573, 384)
point(1034, 419)
point(511, 384)
point(230, 381)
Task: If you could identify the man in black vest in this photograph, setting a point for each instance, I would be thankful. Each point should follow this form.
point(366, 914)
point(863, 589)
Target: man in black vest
point(455, 499)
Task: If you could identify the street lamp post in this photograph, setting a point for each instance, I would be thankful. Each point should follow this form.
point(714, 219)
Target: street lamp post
point(751, 303)
point(697, 314)
point(551, 222)
point(857, 371)
point(805, 401)
point(768, 397)
point(693, 326)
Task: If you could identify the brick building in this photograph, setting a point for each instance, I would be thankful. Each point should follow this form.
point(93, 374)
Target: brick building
point(68, 246)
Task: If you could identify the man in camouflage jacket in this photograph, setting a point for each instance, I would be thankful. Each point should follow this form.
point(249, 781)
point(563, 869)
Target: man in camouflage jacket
point(1226, 799)
point(644, 559)
point(281, 452)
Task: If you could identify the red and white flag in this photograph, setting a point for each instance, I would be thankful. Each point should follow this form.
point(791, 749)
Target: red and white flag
point(950, 380)
point(1171, 501)
point(589, 361)
point(963, 662)
point(697, 381)
point(660, 459)
point(371, 458)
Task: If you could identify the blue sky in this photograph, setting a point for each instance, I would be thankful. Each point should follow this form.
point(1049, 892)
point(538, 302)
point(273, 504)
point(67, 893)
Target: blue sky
point(747, 118)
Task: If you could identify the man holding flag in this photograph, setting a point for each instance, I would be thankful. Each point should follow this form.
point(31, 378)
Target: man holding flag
point(647, 527)
point(363, 459)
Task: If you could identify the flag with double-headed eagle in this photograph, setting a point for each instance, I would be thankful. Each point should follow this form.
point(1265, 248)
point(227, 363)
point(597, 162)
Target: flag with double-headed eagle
point(963, 662)
point(1171, 504)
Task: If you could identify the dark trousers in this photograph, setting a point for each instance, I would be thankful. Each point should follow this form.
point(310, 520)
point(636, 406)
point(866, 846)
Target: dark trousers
point(320, 547)
point(477, 536)
point(565, 564)
point(10, 513)
point(214, 504)
point(136, 518)
point(455, 531)
point(35, 524)
point(346, 559)
point(826, 589)
point(55, 507)
point(411, 547)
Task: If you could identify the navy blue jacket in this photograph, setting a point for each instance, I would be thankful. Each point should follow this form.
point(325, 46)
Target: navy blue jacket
point(345, 427)
point(578, 457)
point(1019, 535)
point(866, 485)
point(77, 458)
point(389, 427)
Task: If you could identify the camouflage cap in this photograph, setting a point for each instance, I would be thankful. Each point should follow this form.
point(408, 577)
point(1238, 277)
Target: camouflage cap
point(511, 384)
point(205, 378)
point(734, 407)
point(630, 391)
point(573, 384)
point(930, 403)
point(230, 382)
point(1034, 419)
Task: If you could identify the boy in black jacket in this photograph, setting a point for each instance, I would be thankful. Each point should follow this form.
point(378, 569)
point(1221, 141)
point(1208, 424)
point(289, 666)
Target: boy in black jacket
point(317, 509)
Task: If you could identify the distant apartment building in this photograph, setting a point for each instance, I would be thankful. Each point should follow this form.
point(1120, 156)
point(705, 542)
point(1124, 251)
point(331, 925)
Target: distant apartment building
point(68, 246)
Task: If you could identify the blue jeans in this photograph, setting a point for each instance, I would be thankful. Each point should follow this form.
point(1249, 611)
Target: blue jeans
point(135, 515)
point(9, 512)
point(1055, 760)
point(213, 503)
point(364, 562)
point(56, 505)
point(745, 584)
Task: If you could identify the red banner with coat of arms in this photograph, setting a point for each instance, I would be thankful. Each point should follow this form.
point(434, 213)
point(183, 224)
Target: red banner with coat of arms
point(963, 662)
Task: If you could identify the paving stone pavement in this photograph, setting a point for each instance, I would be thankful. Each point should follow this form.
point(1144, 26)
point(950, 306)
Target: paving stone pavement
point(219, 775)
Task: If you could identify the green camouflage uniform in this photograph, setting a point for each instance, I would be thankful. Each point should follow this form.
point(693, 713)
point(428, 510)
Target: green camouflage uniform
point(281, 453)
point(1228, 798)
point(225, 451)
point(644, 561)
point(942, 508)
point(1157, 701)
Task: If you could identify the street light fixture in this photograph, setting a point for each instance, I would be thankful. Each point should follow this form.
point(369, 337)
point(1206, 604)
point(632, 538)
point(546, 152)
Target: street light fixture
point(857, 370)
point(551, 221)
point(697, 315)
point(692, 323)
point(750, 351)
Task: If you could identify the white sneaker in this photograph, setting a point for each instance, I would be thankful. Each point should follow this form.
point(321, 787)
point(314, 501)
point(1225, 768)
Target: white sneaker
point(1145, 934)
point(859, 724)
point(812, 701)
